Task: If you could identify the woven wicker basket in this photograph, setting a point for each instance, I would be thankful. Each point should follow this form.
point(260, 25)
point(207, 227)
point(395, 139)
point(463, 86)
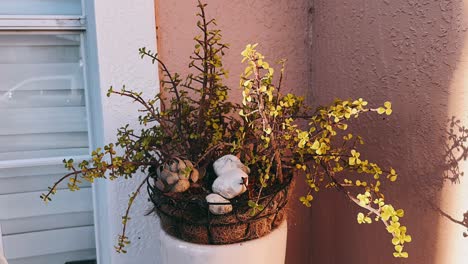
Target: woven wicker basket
point(191, 220)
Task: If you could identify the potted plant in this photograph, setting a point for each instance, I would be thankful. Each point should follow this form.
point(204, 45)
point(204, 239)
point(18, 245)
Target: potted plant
point(219, 172)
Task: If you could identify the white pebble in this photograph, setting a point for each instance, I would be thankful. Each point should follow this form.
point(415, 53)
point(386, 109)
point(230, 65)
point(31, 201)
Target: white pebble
point(221, 208)
point(231, 183)
point(227, 163)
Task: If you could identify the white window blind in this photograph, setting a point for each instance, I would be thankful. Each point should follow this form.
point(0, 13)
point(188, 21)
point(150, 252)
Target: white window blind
point(43, 119)
point(40, 7)
point(42, 102)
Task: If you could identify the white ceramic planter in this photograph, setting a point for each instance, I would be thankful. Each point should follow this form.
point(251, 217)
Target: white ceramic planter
point(270, 249)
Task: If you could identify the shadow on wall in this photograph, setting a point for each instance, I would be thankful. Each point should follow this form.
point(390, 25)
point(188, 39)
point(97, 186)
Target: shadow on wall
point(407, 52)
point(403, 51)
point(451, 172)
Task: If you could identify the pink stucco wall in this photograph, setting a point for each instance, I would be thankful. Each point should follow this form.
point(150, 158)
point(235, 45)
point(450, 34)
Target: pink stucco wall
point(413, 53)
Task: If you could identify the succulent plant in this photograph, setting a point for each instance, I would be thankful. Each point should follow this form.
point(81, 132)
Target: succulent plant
point(191, 123)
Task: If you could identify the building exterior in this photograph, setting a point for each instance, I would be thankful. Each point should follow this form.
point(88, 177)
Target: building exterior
point(58, 58)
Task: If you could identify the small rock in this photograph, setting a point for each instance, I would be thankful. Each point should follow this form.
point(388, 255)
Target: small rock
point(195, 175)
point(218, 209)
point(173, 178)
point(166, 174)
point(228, 162)
point(181, 186)
point(231, 183)
point(175, 174)
point(188, 163)
point(182, 175)
point(160, 185)
point(181, 165)
point(173, 166)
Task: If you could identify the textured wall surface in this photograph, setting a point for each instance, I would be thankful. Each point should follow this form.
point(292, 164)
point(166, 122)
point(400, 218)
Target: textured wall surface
point(413, 53)
point(281, 27)
point(119, 64)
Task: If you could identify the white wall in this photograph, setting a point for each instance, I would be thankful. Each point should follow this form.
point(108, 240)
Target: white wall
point(122, 26)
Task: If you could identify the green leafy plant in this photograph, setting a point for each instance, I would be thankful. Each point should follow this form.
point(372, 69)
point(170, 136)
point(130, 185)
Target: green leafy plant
point(273, 132)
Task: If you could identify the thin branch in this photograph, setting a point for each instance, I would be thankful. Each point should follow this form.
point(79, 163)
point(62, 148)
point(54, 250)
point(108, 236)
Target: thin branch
point(212, 148)
point(174, 84)
point(122, 238)
point(341, 189)
point(52, 189)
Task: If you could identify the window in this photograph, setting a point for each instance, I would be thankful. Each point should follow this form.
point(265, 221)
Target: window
point(44, 117)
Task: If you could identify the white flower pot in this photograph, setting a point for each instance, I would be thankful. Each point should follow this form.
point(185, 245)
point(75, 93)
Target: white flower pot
point(270, 249)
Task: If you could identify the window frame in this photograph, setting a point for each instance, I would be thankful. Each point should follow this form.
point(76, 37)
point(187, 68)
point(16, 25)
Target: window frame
point(42, 22)
point(67, 24)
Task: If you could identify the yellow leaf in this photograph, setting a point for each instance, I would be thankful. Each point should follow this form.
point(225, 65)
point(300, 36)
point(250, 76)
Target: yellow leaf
point(408, 238)
point(398, 248)
point(247, 72)
point(400, 212)
point(316, 145)
point(380, 110)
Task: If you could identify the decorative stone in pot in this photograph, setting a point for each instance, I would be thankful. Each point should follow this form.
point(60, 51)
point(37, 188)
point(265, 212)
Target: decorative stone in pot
point(199, 228)
point(221, 227)
point(187, 215)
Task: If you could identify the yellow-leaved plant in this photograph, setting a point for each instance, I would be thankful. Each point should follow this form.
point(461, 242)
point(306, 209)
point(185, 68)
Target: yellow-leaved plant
point(326, 153)
point(272, 131)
